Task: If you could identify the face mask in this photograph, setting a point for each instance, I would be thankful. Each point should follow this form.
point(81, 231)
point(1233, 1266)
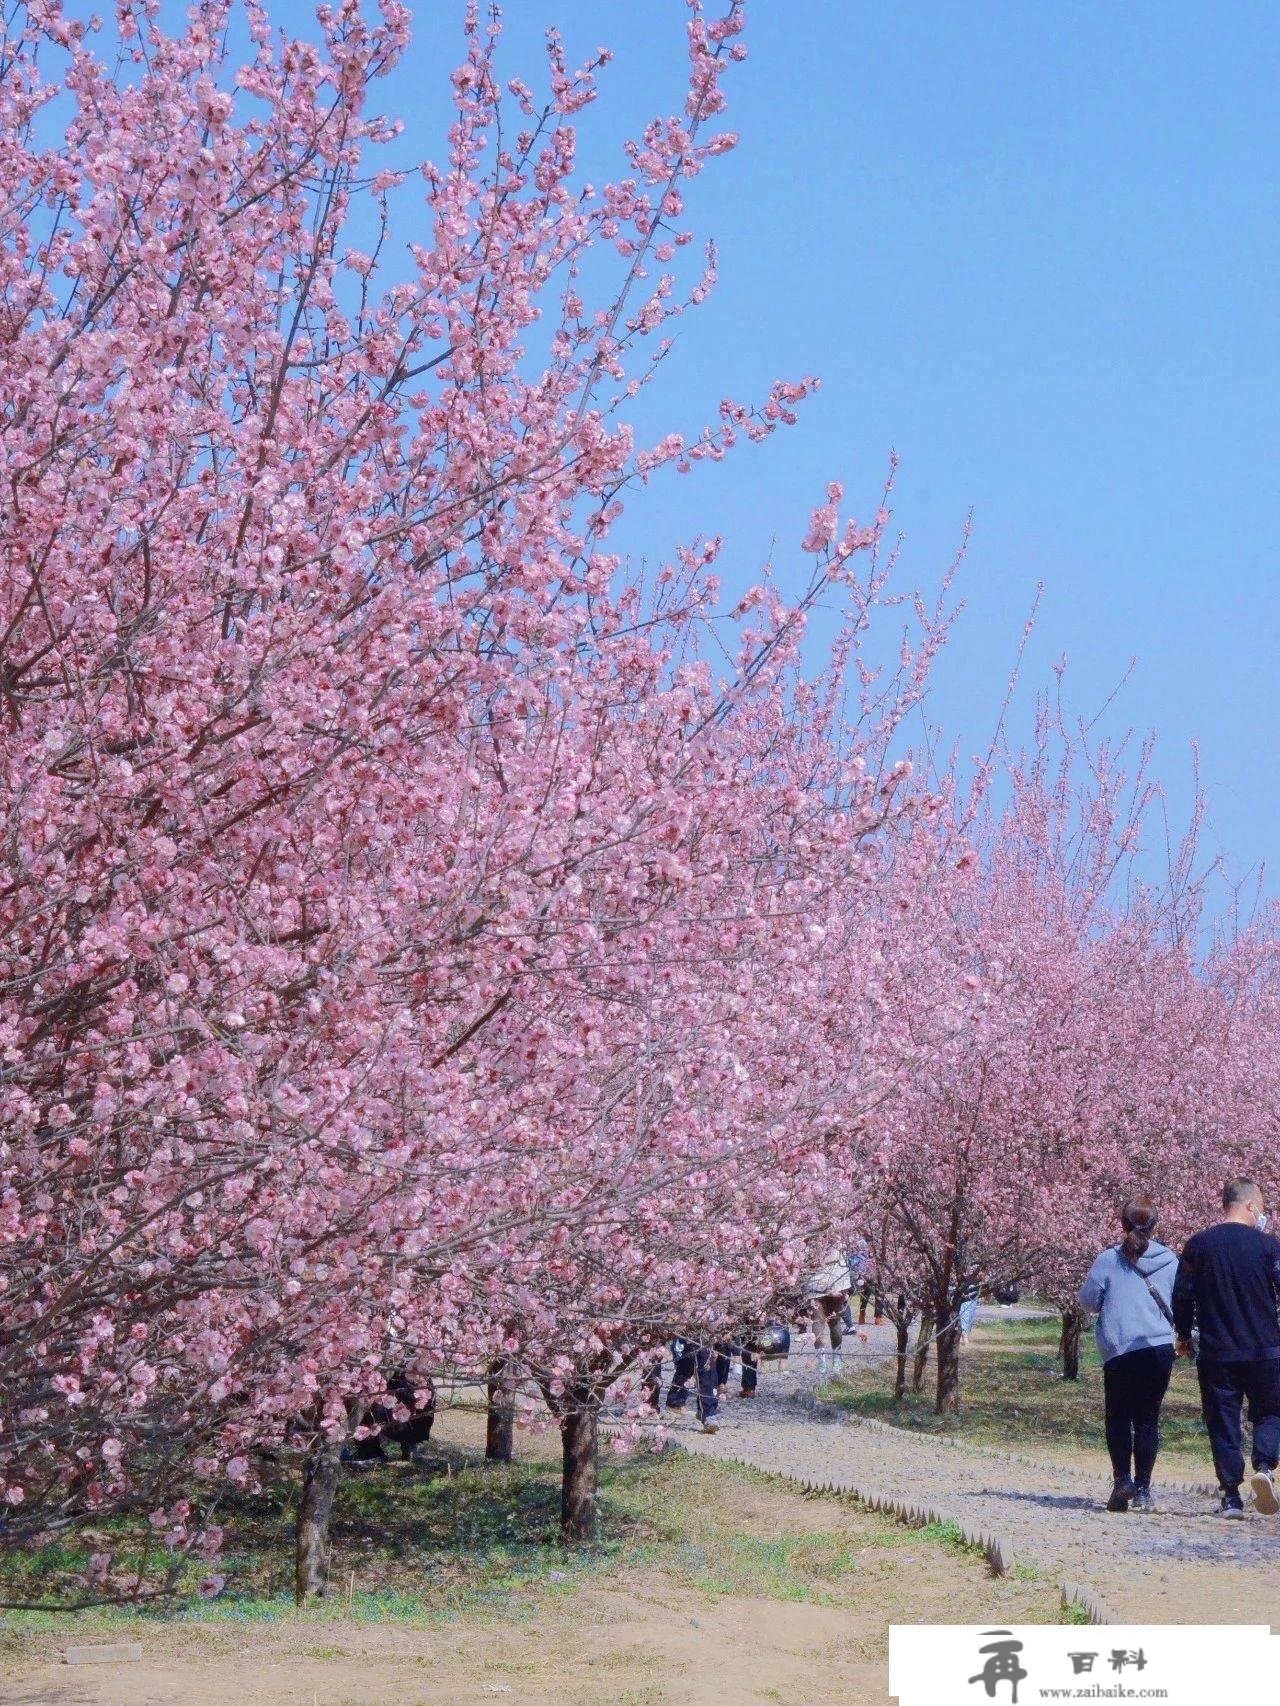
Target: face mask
point(1261, 1222)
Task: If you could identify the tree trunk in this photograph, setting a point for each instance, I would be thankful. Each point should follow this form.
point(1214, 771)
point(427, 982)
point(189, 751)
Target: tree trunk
point(579, 1469)
point(923, 1338)
point(948, 1343)
point(904, 1342)
point(500, 1428)
point(320, 1475)
point(1072, 1325)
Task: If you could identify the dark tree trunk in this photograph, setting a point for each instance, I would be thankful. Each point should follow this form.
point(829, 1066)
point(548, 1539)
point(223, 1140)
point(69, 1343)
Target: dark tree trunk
point(923, 1338)
point(904, 1345)
point(320, 1474)
point(579, 1469)
point(948, 1343)
point(1072, 1326)
point(500, 1428)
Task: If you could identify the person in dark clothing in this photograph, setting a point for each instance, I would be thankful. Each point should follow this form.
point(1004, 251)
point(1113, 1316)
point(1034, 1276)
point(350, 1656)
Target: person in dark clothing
point(1130, 1287)
point(725, 1353)
point(693, 1360)
point(651, 1383)
point(411, 1432)
point(1228, 1287)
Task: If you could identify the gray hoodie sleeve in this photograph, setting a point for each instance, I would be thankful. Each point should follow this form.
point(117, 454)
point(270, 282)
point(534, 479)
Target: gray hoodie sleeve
point(1094, 1288)
point(1165, 1280)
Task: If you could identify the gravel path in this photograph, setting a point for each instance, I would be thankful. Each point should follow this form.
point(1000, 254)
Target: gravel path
point(1180, 1565)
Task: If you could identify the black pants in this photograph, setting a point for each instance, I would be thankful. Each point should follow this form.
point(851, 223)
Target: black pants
point(1224, 1388)
point(693, 1360)
point(1134, 1386)
point(724, 1362)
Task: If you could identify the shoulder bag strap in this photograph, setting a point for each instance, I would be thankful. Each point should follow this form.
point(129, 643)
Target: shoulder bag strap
point(1156, 1298)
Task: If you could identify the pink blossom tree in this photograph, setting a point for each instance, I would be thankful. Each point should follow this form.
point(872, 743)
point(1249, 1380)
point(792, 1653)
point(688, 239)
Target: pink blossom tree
point(1062, 1074)
point(364, 819)
point(293, 560)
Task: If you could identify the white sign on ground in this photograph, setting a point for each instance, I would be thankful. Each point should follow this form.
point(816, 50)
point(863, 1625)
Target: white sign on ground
point(1185, 1665)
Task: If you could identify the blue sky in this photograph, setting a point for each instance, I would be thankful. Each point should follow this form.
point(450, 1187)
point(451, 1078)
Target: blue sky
point(1034, 249)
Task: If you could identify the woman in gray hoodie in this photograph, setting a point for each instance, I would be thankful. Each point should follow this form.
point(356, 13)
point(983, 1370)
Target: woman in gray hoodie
point(1130, 1286)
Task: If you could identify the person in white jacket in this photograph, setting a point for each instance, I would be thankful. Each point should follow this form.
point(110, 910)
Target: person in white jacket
point(828, 1289)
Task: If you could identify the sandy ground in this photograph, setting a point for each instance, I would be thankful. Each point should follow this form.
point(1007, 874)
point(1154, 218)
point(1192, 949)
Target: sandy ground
point(633, 1638)
point(640, 1641)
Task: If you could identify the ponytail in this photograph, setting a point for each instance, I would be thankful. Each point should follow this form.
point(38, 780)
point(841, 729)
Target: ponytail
point(1139, 1218)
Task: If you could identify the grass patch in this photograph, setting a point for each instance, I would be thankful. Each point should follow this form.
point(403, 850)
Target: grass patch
point(1012, 1395)
point(458, 1539)
point(950, 1535)
point(452, 1537)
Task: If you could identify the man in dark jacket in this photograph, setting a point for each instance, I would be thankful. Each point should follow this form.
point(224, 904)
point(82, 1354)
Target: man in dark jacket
point(1228, 1286)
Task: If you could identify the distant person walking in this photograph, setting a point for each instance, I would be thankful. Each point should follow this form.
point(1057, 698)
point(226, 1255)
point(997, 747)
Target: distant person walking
point(1130, 1287)
point(968, 1310)
point(828, 1293)
point(1229, 1289)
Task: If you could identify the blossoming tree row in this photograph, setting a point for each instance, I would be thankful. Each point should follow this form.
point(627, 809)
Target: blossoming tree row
point(428, 944)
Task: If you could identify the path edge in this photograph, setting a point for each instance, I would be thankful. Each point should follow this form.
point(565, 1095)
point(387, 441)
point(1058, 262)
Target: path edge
point(997, 1548)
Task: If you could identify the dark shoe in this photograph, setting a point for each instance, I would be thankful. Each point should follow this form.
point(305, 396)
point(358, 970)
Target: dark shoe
point(711, 1426)
point(1264, 1492)
point(1121, 1494)
point(1142, 1501)
point(1230, 1505)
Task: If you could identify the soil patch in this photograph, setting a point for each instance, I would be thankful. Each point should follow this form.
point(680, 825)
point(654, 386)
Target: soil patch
point(742, 1589)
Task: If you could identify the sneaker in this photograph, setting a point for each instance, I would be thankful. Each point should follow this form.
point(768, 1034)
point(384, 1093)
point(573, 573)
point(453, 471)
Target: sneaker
point(1121, 1493)
point(1142, 1501)
point(1230, 1505)
point(711, 1426)
point(747, 1392)
point(1264, 1492)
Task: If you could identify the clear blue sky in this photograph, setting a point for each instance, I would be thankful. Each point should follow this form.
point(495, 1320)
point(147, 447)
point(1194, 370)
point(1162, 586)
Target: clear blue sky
point(1035, 249)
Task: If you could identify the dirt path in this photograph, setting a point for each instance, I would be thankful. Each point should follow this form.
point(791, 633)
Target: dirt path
point(1181, 1565)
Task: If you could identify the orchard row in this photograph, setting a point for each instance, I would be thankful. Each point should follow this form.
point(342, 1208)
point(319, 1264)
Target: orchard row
point(430, 945)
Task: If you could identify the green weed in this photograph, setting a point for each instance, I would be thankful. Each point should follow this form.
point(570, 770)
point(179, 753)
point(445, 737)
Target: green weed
point(1012, 1395)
